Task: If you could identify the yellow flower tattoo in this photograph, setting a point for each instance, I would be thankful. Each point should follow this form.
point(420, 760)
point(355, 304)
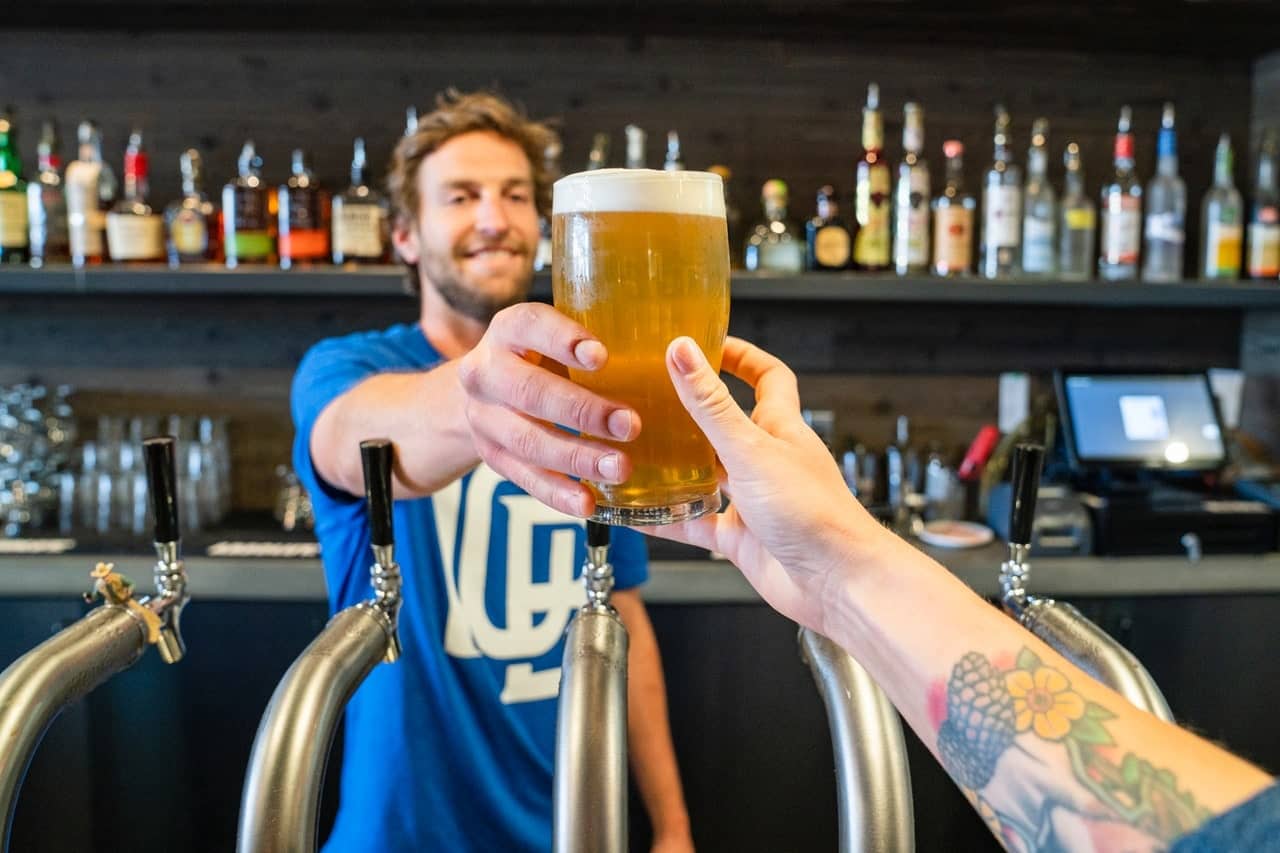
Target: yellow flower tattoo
point(1043, 700)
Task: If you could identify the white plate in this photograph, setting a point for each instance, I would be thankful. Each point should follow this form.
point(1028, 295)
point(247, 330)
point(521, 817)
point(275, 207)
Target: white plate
point(955, 534)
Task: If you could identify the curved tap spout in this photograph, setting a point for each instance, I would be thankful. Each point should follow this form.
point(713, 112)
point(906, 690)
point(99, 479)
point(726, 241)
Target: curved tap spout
point(873, 781)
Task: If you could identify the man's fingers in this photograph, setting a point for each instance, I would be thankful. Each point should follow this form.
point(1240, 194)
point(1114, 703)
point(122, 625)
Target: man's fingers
point(508, 380)
point(774, 382)
point(701, 532)
point(554, 490)
point(546, 447)
point(708, 401)
point(532, 327)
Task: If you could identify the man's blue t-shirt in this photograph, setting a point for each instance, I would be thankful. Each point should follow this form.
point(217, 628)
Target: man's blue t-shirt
point(452, 747)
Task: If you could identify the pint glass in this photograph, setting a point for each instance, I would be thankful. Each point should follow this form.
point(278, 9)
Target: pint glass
point(641, 257)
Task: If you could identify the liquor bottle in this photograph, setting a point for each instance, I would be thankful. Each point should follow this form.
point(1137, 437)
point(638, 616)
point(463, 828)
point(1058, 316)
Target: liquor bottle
point(1264, 222)
point(1078, 221)
point(304, 231)
point(247, 230)
point(191, 222)
point(1121, 210)
point(871, 248)
point(410, 121)
point(1222, 216)
point(953, 213)
point(732, 213)
point(828, 242)
point(91, 190)
point(1001, 207)
point(599, 156)
point(1165, 229)
point(775, 244)
point(47, 204)
point(359, 217)
point(135, 232)
point(635, 147)
point(911, 198)
point(551, 166)
point(902, 464)
point(14, 237)
point(1039, 208)
point(674, 161)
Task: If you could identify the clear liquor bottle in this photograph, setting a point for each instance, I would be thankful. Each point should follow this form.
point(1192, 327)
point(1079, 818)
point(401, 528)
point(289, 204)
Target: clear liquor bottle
point(1121, 210)
point(871, 246)
point(15, 237)
point(635, 147)
point(953, 213)
point(410, 120)
point(828, 240)
point(247, 229)
point(1166, 228)
point(1001, 207)
point(1077, 223)
point(191, 221)
point(1039, 208)
point(775, 245)
point(47, 204)
point(90, 191)
point(303, 236)
point(599, 156)
point(359, 217)
point(135, 231)
point(675, 160)
point(911, 198)
point(1264, 219)
point(550, 165)
point(1221, 215)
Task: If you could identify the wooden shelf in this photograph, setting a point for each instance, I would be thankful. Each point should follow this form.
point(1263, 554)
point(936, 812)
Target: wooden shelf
point(388, 281)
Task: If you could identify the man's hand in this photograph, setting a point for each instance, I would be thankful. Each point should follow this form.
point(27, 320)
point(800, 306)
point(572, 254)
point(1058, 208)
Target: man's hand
point(515, 402)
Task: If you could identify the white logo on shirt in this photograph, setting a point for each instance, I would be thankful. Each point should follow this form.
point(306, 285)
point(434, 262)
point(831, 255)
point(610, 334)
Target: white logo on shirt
point(469, 632)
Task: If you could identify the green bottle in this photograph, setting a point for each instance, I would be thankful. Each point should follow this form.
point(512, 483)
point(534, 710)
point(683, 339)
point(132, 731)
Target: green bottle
point(13, 199)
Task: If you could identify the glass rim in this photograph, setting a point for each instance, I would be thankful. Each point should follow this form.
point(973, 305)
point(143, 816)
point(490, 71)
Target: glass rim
point(685, 191)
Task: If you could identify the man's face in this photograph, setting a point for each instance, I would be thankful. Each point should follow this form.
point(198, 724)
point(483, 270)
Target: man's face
point(477, 226)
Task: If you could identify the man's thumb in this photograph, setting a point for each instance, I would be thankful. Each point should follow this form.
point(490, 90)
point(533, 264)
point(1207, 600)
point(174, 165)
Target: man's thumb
point(707, 398)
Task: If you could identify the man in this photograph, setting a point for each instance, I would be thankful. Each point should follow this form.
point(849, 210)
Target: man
point(452, 748)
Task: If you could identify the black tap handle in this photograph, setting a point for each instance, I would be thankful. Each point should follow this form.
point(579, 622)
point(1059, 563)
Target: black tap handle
point(162, 485)
point(375, 453)
point(1028, 459)
point(597, 534)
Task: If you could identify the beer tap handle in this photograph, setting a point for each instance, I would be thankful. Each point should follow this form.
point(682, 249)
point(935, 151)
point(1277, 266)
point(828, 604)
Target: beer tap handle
point(162, 486)
point(376, 455)
point(597, 535)
point(1025, 482)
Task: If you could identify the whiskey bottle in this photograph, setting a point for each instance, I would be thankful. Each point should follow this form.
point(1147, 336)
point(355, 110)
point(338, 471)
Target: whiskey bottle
point(304, 230)
point(191, 221)
point(47, 204)
point(247, 230)
point(135, 232)
point(359, 217)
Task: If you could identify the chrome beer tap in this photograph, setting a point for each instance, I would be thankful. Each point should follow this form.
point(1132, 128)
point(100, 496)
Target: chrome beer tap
point(69, 665)
point(873, 780)
point(1059, 624)
point(590, 788)
point(280, 806)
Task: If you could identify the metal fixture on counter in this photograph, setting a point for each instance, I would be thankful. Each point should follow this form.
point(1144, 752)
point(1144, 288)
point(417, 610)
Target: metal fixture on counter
point(1059, 624)
point(279, 808)
point(590, 788)
point(40, 684)
point(873, 781)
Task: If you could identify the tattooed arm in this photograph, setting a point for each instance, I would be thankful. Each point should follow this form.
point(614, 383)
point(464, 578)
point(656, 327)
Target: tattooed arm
point(1050, 758)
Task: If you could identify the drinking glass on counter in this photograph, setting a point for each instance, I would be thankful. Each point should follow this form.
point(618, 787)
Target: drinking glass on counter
point(641, 257)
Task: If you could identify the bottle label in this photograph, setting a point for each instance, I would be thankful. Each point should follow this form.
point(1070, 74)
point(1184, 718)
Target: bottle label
point(1121, 229)
point(831, 246)
point(871, 246)
point(1222, 250)
point(85, 219)
point(1264, 249)
point(1166, 227)
point(13, 219)
point(304, 244)
point(952, 240)
point(1037, 244)
point(249, 245)
point(358, 230)
point(1080, 219)
point(135, 238)
point(250, 209)
point(1002, 217)
point(190, 234)
point(911, 222)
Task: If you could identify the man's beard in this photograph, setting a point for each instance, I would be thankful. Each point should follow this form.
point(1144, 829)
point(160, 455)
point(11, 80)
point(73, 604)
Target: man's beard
point(465, 299)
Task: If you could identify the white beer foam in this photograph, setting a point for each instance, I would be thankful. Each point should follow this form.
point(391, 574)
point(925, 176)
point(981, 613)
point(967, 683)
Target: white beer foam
point(640, 190)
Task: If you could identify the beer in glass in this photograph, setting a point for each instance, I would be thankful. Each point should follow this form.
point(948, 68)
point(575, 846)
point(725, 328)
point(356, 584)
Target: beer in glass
point(640, 257)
